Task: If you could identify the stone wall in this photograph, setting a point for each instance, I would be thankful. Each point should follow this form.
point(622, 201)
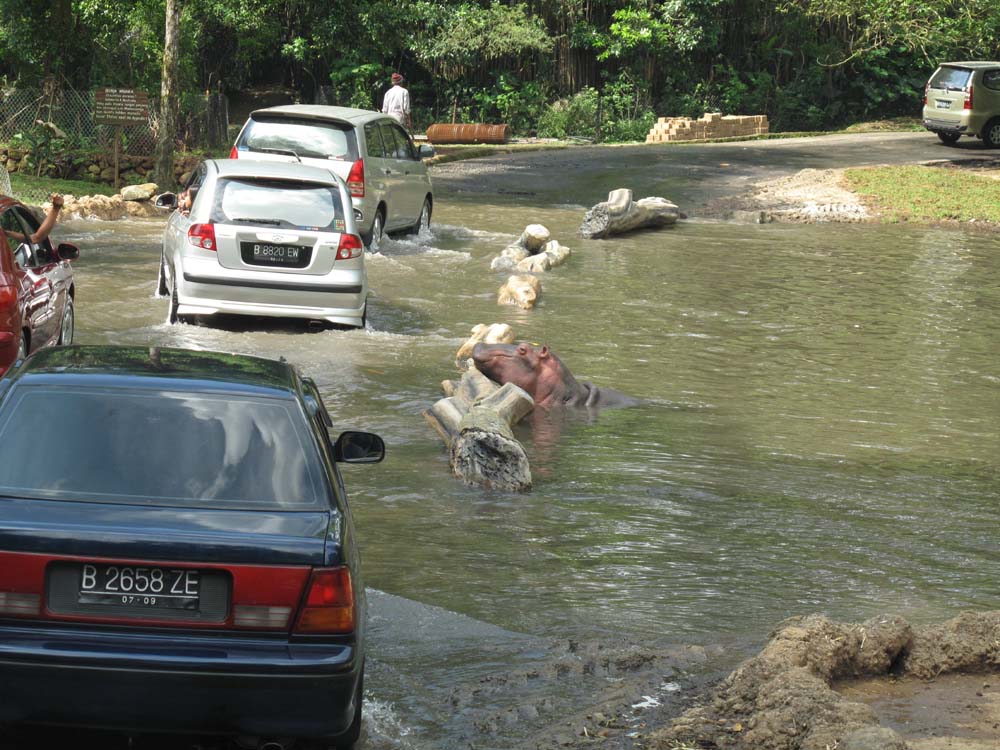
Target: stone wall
point(97, 167)
point(710, 125)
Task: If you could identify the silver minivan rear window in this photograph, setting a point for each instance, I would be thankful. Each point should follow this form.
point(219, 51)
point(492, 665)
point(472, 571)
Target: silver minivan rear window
point(280, 203)
point(308, 138)
point(951, 78)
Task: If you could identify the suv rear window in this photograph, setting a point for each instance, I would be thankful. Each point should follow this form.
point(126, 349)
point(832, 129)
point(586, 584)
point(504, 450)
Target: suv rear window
point(161, 448)
point(950, 78)
point(299, 205)
point(310, 138)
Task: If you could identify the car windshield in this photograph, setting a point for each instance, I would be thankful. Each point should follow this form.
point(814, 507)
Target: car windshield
point(156, 447)
point(321, 140)
point(950, 78)
point(300, 205)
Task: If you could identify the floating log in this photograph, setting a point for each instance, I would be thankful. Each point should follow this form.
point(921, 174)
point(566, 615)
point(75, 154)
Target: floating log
point(486, 453)
point(468, 133)
point(620, 214)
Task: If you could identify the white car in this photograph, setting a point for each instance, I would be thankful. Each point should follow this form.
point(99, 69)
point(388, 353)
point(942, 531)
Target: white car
point(264, 238)
point(390, 187)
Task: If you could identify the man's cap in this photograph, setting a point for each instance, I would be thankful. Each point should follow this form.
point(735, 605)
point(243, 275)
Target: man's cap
point(396, 77)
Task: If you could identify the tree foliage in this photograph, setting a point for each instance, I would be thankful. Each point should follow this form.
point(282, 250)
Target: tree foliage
point(805, 63)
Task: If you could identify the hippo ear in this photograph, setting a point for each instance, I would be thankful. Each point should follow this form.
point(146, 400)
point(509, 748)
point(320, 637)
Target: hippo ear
point(543, 351)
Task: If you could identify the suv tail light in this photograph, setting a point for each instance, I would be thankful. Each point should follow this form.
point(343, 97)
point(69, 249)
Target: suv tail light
point(927, 88)
point(234, 153)
point(356, 179)
point(329, 604)
point(968, 99)
point(203, 236)
point(350, 247)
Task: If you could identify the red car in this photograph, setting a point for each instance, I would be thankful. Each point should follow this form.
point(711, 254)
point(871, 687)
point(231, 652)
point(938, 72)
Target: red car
point(36, 286)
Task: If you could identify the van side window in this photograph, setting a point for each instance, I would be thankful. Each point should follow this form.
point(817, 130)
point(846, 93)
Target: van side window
point(374, 140)
point(404, 146)
point(991, 79)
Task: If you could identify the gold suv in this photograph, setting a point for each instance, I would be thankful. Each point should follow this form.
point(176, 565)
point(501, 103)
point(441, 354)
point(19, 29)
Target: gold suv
point(963, 98)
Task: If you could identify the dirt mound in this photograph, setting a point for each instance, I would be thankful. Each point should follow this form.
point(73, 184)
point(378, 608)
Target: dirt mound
point(785, 697)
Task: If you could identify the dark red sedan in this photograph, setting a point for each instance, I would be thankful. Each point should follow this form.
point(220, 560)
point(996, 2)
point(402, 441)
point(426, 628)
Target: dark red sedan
point(36, 286)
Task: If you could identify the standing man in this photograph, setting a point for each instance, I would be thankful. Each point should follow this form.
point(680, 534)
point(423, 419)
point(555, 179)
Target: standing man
point(396, 103)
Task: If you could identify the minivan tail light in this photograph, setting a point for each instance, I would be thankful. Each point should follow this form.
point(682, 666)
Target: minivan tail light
point(203, 236)
point(968, 99)
point(356, 179)
point(350, 247)
point(234, 153)
point(329, 604)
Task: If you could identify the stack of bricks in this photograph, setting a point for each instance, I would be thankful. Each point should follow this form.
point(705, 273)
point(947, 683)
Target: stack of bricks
point(710, 125)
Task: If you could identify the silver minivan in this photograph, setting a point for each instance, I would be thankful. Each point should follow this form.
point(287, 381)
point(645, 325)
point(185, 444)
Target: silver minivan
point(384, 170)
point(963, 98)
point(264, 238)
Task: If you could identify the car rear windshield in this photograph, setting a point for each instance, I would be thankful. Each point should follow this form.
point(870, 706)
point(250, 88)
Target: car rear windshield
point(159, 448)
point(311, 138)
point(950, 78)
point(283, 203)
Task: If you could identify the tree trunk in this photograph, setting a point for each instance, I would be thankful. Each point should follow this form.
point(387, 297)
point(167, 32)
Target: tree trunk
point(164, 171)
point(620, 214)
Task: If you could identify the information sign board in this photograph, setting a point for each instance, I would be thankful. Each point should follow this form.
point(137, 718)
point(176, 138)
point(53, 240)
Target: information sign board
point(121, 107)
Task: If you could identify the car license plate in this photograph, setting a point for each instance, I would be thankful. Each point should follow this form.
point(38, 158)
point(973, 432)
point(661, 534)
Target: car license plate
point(943, 104)
point(269, 254)
point(140, 586)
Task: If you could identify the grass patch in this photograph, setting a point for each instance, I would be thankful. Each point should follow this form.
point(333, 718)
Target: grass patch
point(927, 194)
point(31, 189)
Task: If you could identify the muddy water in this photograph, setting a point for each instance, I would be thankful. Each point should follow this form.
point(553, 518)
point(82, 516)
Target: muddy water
point(820, 435)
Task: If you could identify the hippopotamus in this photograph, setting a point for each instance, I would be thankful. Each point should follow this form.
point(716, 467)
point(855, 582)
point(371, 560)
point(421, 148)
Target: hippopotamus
point(537, 370)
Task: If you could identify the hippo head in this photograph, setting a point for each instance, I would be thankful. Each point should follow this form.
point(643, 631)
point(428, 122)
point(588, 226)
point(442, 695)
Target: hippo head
point(533, 367)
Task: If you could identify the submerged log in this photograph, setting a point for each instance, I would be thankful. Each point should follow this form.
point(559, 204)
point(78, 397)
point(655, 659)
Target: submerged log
point(620, 214)
point(521, 289)
point(486, 453)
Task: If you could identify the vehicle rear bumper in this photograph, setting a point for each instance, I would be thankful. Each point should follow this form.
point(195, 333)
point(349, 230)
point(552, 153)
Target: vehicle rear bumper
point(944, 126)
point(339, 299)
point(157, 683)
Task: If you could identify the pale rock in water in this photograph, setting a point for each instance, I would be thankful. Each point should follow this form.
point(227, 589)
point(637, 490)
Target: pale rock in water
point(522, 290)
point(620, 214)
point(534, 237)
point(142, 192)
point(493, 333)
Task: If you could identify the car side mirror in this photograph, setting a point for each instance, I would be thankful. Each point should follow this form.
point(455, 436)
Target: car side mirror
point(67, 251)
point(424, 151)
point(166, 200)
point(355, 447)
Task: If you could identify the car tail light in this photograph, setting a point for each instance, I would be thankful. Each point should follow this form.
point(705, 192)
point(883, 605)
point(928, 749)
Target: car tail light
point(329, 605)
point(968, 99)
point(203, 236)
point(8, 297)
point(234, 153)
point(20, 605)
point(350, 247)
point(356, 179)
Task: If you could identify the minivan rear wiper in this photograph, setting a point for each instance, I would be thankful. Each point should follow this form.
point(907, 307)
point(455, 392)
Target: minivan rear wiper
point(251, 220)
point(282, 151)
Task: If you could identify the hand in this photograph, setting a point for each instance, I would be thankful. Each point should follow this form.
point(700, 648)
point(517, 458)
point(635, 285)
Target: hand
point(56, 200)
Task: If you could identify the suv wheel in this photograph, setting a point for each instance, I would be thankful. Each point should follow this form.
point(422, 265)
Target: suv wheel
point(424, 222)
point(948, 139)
point(991, 133)
point(66, 326)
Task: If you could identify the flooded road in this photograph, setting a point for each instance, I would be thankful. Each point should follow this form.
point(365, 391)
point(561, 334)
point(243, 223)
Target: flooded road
point(821, 435)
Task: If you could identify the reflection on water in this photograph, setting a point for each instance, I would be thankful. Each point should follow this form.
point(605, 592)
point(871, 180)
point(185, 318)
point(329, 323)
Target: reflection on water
point(821, 434)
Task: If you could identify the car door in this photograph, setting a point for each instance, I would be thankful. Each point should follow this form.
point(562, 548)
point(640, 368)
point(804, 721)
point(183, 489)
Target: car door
point(395, 200)
point(53, 278)
point(175, 235)
point(34, 290)
point(410, 172)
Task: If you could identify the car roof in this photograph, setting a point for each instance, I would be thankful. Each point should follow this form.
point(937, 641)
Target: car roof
point(282, 170)
point(322, 112)
point(156, 367)
point(972, 64)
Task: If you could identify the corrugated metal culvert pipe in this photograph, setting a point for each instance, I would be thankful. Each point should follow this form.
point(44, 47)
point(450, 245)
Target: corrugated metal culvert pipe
point(468, 133)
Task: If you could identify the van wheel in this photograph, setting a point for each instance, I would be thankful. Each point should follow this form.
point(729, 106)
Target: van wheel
point(948, 139)
point(991, 133)
point(374, 240)
point(424, 222)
